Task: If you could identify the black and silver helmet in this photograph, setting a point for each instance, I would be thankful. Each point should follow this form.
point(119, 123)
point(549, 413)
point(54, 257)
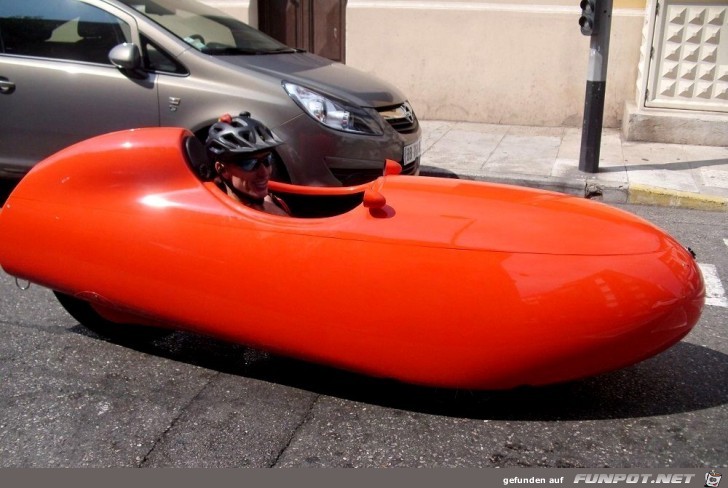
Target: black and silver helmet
point(232, 137)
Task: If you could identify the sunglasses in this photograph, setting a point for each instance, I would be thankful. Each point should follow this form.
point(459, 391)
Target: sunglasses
point(252, 164)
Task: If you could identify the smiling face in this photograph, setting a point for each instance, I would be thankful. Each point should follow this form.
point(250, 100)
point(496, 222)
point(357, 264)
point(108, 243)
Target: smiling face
point(252, 183)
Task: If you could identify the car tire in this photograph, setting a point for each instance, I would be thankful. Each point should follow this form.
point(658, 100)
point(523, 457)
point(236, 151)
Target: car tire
point(85, 314)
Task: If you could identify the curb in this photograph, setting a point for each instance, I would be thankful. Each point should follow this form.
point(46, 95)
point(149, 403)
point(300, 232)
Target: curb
point(597, 190)
point(585, 188)
point(650, 195)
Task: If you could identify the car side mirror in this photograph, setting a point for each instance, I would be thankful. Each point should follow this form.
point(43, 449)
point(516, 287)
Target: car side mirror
point(126, 57)
point(373, 199)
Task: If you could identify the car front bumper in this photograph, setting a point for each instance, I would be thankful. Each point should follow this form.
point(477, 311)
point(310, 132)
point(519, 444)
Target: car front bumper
point(320, 156)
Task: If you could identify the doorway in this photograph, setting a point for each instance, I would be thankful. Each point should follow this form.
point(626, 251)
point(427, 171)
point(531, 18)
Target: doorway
point(316, 26)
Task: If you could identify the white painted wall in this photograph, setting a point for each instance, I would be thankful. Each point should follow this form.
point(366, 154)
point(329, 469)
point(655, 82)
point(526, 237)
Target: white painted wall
point(510, 62)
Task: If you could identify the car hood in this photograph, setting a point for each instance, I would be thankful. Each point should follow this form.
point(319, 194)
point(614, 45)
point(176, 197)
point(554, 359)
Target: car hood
point(323, 75)
point(502, 218)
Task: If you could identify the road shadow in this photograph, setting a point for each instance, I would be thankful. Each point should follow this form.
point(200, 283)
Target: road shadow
point(438, 172)
point(6, 186)
point(684, 378)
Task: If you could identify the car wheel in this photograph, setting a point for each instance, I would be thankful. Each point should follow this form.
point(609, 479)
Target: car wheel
point(85, 314)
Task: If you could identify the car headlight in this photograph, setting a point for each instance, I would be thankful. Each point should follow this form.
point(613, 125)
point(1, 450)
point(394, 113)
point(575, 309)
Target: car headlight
point(331, 113)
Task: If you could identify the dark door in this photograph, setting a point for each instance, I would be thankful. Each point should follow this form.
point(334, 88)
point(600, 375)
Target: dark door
point(317, 26)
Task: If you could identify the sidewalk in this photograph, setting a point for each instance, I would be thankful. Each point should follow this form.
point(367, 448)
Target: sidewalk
point(548, 158)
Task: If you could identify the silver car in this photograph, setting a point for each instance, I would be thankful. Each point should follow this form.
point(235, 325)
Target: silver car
point(72, 69)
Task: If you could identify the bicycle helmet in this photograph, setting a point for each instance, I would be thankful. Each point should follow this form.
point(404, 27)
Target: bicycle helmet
point(232, 137)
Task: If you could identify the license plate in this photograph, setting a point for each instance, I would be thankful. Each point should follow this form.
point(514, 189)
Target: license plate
point(412, 152)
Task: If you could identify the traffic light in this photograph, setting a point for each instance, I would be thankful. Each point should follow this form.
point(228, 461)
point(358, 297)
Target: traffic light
point(589, 20)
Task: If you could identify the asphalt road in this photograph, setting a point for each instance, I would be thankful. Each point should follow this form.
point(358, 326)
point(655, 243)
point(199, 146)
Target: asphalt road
point(69, 398)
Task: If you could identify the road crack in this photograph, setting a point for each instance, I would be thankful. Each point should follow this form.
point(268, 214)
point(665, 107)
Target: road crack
point(174, 421)
point(304, 420)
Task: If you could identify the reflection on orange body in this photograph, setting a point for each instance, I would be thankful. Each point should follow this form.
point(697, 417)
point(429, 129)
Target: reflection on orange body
point(437, 282)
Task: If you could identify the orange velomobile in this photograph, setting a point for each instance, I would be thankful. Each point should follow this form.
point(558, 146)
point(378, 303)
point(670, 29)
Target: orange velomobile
point(432, 281)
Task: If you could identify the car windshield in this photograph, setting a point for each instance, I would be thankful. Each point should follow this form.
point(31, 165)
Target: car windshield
point(206, 29)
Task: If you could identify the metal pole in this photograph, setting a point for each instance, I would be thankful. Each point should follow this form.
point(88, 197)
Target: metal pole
point(591, 132)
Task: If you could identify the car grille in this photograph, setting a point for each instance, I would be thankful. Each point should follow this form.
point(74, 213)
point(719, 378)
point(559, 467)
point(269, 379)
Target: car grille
point(401, 117)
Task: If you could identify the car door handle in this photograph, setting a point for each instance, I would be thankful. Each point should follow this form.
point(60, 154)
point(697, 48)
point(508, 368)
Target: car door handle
point(6, 86)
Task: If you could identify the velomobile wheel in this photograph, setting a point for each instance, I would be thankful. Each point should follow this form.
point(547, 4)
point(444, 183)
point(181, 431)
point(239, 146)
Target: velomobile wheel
point(82, 311)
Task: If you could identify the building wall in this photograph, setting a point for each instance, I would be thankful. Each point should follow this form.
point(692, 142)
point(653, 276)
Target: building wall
point(501, 61)
point(245, 10)
point(511, 62)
